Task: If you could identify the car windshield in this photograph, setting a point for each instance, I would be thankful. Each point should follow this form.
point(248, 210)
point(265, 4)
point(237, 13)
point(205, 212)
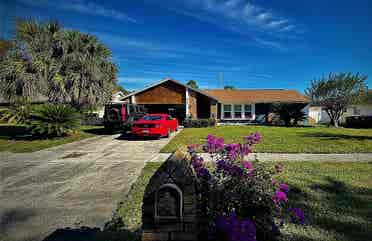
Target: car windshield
point(152, 117)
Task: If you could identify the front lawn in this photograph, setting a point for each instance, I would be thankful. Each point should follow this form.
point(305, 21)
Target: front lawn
point(336, 198)
point(14, 138)
point(283, 139)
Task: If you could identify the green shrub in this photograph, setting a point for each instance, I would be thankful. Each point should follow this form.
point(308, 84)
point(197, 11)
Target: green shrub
point(18, 113)
point(53, 120)
point(198, 123)
point(359, 122)
point(289, 114)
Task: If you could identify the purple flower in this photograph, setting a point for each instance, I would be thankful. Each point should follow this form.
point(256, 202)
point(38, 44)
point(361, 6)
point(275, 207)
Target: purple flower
point(246, 149)
point(248, 165)
point(280, 197)
point(278, 168)
point(236, 171)
point(297, 215)
point(221, 165)
point(236, 229)
point(253, 138)
point(197, 162)
point(232, 170)
point(203, 173)
point(234, 151)
point(215, 144)
point(283, 187)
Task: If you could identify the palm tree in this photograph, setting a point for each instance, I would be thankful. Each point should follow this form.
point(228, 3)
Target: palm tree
point(90, 75)
point(64, 65)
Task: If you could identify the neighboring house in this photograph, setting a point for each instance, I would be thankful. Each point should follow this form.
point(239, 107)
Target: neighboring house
point(117, 96)
point(317, 114)
point(172, 97)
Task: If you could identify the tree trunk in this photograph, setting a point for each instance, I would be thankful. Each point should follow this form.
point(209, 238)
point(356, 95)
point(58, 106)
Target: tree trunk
point(335, 116)
point(335, 123)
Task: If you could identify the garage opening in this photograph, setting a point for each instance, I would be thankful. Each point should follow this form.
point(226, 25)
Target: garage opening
point(203, 107)
point(175, 110)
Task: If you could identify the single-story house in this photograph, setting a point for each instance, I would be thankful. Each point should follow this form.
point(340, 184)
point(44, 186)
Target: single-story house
point(317, 114)
point(225, 105)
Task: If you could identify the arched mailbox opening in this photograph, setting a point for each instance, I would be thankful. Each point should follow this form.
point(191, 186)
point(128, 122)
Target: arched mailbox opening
point(169, 203)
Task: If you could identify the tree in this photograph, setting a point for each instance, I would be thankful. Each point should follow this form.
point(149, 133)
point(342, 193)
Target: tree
point(66, 66)
point(336, 92)
point(229, 87)
point(290, 113)
point(4, 47)
point(193, 84)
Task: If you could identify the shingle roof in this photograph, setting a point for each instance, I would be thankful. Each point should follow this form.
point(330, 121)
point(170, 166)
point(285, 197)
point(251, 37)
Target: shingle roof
point(257, 96)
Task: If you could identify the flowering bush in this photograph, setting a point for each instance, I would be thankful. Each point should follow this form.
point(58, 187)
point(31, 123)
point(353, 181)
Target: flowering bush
point(242, 200)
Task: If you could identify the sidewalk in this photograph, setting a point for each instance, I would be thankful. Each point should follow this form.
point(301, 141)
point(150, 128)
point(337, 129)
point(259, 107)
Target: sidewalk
point(289, 157)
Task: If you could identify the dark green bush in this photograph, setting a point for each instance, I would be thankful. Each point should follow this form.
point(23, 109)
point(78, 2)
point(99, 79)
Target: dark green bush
point(53, 120)
point(289, 113)
point(358, 122)
point(198, 123)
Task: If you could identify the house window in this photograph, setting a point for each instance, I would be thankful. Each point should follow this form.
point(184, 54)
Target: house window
point(238, 111)
point(356, 111)
point(248, 111)
point(227, 111)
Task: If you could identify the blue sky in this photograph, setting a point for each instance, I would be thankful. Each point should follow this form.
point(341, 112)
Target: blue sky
point(254, 43)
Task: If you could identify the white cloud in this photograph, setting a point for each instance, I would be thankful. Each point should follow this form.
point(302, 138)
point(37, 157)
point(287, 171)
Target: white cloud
point(270, 44)
point(81, 6)
point(232, 13)
point(136, 80)
point(278, 24)
point(264, 16)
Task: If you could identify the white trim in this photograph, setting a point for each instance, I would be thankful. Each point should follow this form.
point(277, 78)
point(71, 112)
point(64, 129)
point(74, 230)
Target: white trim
point(187, 103)
point(133, 99)
point(253, 111)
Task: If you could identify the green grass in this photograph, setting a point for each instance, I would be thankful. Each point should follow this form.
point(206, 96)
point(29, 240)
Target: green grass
point(336, 198)
point(283, 139)
point(14, 138)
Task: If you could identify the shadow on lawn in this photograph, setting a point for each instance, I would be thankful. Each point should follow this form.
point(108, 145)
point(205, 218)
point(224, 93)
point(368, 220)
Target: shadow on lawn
point(348, 209)
point(17, 132)
point(113, 231)
point(331, 136)
point(14, 132)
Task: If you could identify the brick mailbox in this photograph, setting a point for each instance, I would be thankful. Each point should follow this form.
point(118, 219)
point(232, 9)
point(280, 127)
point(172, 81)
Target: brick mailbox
point(170, 210)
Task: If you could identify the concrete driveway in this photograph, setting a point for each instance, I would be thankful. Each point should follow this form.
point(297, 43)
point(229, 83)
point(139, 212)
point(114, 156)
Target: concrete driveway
point(77, 184)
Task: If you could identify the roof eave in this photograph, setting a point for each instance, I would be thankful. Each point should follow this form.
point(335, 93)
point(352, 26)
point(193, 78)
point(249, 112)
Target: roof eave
point(165, 80)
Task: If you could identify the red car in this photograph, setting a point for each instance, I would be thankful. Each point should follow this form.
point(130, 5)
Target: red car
point(156, 125)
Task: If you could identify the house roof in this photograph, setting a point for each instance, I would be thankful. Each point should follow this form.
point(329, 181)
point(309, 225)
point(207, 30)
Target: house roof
point(257, 96)
point(163, 81)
